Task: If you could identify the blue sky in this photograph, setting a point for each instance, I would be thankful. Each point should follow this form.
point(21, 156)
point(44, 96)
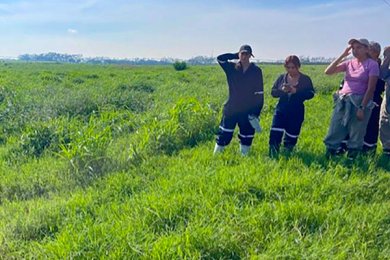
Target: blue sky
point(184, 29)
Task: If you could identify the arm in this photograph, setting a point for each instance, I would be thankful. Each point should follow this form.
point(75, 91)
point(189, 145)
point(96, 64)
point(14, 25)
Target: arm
point(335, 66)
point(306, 92)
point(276, 92)
point(373, 74)
point(258, 95)
point(367, 96)
point(223, 60)
point(370, 91)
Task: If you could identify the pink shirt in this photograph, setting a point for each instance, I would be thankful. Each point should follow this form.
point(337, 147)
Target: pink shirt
point(356, 75)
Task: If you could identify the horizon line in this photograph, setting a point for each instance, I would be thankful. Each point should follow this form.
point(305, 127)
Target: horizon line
point(157, 59)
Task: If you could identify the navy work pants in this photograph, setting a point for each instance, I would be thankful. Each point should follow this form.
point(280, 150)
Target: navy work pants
point(226, 129)
point(286, 126)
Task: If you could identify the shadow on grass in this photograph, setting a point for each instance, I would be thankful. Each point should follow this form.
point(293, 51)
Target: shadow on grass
point(365, 163)
point(384, 162)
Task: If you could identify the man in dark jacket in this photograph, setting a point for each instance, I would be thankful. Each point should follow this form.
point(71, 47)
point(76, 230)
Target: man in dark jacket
point(245, 101)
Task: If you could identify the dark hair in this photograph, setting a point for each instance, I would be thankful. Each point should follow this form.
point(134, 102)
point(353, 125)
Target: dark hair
point(294, 60)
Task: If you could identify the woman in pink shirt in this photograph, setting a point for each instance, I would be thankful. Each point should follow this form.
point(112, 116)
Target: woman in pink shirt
point(353, 103)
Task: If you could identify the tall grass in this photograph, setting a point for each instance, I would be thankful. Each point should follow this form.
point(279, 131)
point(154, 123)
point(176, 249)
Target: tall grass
point(116, 162)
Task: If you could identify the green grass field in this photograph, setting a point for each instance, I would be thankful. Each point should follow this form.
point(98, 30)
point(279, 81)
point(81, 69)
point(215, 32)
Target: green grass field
point(116, 162)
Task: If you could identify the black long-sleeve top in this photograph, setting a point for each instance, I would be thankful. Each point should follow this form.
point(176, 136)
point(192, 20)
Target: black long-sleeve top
point(292, 102)
point(245, 88)
point(380, 87)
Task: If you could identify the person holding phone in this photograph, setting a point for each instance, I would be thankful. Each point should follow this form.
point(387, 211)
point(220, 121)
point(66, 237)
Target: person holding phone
point(292, 88)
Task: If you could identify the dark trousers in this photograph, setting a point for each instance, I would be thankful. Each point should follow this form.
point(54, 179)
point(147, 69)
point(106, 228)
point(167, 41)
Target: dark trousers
point(226, 129)
point(372, 132)
point(286, 126)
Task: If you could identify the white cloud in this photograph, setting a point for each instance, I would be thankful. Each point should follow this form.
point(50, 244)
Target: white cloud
point(72, 31)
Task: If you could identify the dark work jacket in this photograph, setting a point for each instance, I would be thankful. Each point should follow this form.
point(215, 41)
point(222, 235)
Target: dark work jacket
point(293, 103)
point(379, 89)
point(245, 89)
point(385, 76)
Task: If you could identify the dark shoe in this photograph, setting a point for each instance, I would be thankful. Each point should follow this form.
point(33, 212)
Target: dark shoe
point(352, 154)
point(369, 150)
point(343, 148)
point(333, 152)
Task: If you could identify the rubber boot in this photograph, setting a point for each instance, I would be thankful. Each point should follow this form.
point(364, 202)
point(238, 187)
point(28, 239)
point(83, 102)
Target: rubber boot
point(255, 123)
point(218, 149)
point(244, 149)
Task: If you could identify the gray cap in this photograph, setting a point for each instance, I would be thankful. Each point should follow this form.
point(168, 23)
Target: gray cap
point(375, 46)
point(361, 41)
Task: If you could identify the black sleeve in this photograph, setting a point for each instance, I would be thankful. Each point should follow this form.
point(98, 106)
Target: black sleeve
point(276, 91)
point(384, 72)
point(381, 87)
point(258, 95)
point(307, 90)
point(223, 61)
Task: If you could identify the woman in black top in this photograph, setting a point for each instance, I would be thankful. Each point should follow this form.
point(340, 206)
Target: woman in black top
point(245, 101)
point(292, 89)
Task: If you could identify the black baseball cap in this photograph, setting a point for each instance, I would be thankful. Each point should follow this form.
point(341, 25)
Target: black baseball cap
point(246, 48)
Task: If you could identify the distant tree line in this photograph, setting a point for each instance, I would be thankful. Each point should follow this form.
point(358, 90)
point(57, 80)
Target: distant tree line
point(198, 60)
point(77, 58)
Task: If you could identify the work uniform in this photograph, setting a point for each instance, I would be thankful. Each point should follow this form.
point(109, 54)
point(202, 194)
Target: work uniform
point(290, 111)
point(245, 98)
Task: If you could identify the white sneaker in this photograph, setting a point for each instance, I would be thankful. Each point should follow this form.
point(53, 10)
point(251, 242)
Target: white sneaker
point(218, 149)
point(255, 123)
point(244, 149)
